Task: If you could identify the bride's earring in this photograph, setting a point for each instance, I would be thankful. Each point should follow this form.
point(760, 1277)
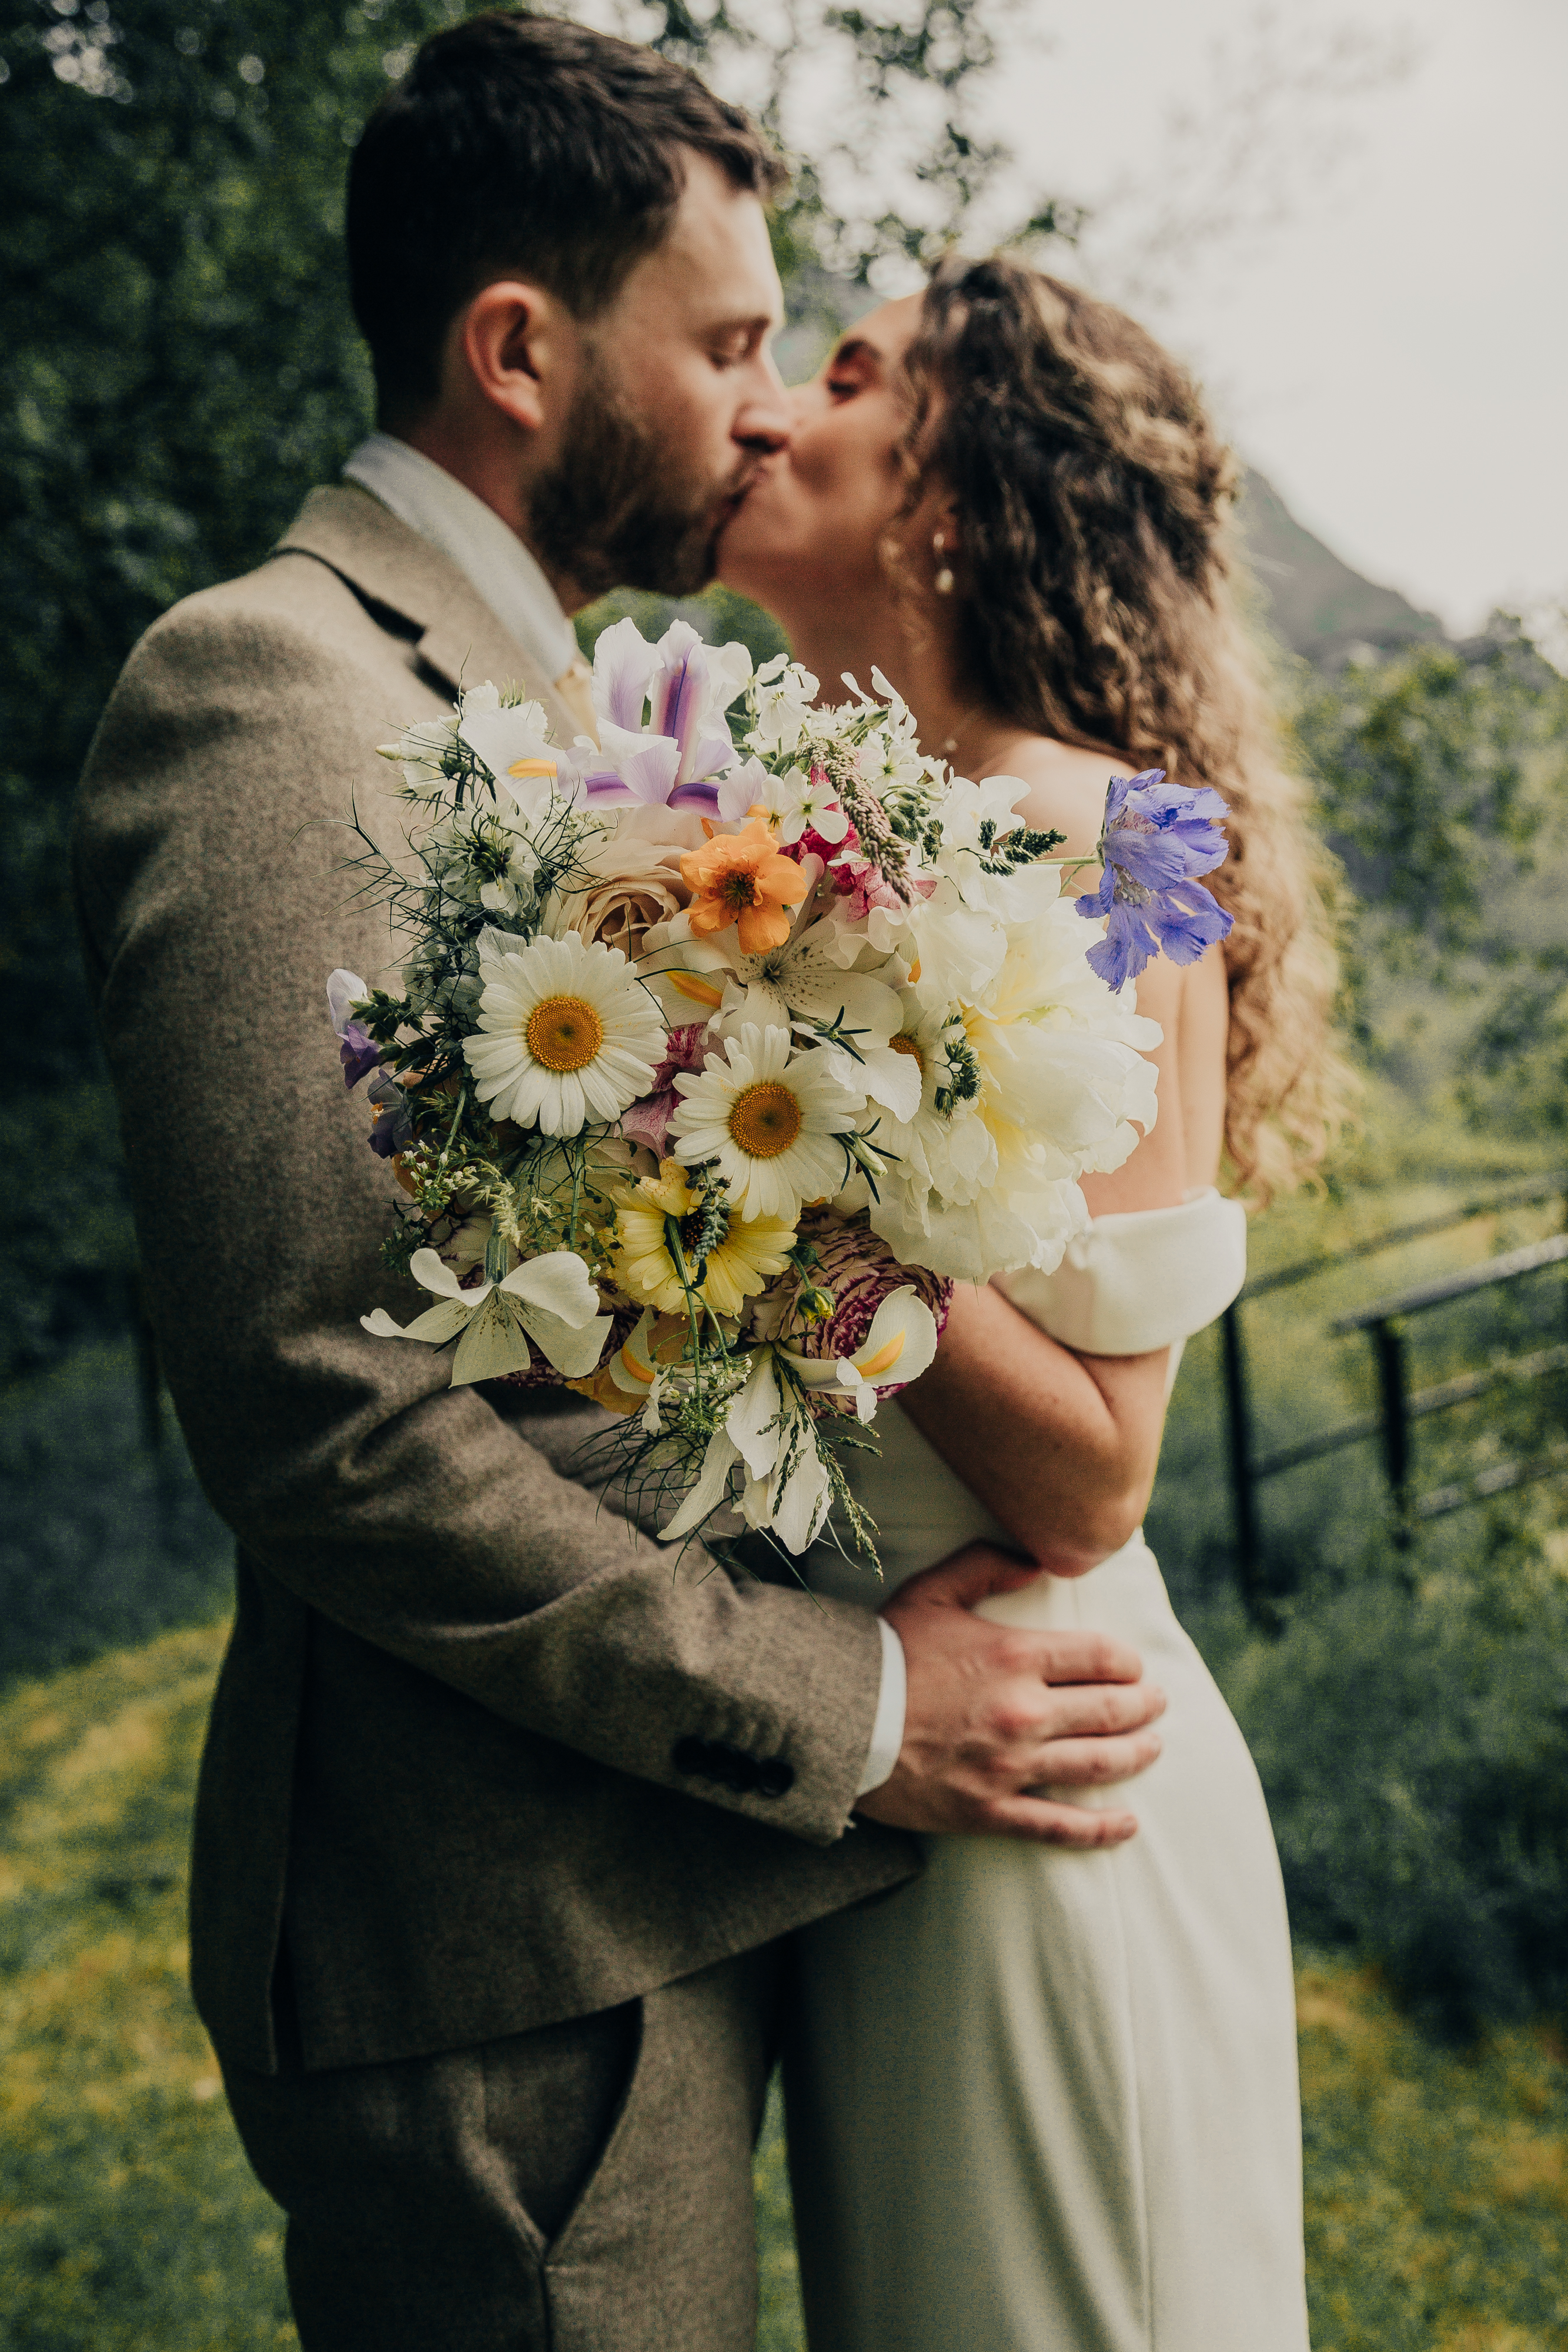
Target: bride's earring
point(944, 581)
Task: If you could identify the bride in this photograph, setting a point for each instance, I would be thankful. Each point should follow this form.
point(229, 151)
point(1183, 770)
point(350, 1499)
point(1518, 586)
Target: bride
point(1042, 2100)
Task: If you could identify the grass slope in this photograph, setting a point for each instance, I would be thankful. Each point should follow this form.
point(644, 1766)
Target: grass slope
point(1436, 2184)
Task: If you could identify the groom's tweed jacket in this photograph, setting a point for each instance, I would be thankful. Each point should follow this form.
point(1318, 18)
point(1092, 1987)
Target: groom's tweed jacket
point(480, 1753)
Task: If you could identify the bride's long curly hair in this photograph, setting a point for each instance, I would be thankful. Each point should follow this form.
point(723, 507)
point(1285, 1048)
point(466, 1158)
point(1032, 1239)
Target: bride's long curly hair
point(1098, 570)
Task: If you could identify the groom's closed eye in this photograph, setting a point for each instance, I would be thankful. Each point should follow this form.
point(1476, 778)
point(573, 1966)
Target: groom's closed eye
point(735, 345)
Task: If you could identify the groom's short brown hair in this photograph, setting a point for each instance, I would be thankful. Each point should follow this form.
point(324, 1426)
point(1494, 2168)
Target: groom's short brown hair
point(521, 144)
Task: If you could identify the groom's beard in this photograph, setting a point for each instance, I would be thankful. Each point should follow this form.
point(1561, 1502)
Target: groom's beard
point(618, 512)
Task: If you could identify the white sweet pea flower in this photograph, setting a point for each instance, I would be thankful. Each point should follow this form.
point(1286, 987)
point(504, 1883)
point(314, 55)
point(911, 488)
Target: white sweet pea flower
point(549, 1299)
point(344, 991)
point(801, 800)
point(419, 751)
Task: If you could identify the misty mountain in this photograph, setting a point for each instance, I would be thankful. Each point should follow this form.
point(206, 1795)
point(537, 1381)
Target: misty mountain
point(1318, 606)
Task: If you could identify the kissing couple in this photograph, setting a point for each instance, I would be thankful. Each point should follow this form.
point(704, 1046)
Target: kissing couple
point(521, 1858)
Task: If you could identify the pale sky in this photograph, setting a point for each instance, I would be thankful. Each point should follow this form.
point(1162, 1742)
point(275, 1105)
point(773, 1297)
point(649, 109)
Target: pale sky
point(1393, 356)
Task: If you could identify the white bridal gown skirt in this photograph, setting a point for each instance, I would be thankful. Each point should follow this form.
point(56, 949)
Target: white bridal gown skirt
point(1045, 2101)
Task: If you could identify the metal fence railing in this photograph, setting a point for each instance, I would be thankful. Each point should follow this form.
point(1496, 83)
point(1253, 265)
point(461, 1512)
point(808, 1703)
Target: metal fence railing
point(1383, 1322)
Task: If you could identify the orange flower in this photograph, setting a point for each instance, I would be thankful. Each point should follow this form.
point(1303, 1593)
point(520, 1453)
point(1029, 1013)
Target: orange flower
point(743, 878)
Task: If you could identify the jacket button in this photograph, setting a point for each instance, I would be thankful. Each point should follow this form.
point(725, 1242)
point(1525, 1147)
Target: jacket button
point(775, 1778)
point(735, 1768)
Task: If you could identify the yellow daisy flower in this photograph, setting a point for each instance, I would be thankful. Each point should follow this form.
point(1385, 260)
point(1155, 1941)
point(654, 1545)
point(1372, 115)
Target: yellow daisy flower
point(741, 1264)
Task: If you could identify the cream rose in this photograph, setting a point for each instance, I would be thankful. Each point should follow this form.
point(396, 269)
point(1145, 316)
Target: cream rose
point(636, 880)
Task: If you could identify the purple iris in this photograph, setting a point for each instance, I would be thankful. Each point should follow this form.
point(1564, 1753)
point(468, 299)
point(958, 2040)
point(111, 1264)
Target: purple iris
point(687, 686)
point(681, 705)
point(1158, 838)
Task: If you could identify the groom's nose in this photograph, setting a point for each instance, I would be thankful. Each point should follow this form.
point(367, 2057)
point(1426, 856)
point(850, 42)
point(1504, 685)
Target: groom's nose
point(764, 421)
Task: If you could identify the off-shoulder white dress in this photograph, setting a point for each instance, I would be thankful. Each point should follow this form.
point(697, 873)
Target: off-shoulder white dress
point(1042, 2101)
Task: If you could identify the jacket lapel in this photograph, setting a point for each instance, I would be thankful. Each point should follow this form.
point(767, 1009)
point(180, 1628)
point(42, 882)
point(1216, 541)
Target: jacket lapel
point(387, 563)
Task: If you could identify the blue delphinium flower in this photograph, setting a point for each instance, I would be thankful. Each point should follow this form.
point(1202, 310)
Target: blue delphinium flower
point(1158, 838)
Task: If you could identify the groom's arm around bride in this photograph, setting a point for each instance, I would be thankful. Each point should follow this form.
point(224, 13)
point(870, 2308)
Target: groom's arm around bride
point(498, 1817)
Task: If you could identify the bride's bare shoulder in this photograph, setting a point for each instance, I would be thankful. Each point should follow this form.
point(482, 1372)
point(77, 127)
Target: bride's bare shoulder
point(1067, 787)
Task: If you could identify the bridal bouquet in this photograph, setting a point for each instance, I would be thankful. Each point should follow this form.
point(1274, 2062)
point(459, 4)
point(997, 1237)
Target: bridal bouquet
point(713, 1065)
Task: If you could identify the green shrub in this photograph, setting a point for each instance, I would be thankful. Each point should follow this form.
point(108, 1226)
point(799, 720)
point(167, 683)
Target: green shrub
point(1415, 1752)
point(101, 1541)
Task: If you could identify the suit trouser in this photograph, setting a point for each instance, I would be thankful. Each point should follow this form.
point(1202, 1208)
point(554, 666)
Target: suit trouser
point(582, 2188)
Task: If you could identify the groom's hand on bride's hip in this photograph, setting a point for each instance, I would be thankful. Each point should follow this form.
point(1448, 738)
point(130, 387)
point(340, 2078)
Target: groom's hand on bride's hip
point(994, 1713)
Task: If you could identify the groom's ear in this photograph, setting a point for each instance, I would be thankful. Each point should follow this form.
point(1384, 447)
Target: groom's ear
point(516, 343)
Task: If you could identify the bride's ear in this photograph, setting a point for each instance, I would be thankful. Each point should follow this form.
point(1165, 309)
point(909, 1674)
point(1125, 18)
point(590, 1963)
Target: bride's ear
point(510, 340)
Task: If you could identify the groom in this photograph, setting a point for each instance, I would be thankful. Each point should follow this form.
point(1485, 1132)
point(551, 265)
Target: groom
point(500, 1820)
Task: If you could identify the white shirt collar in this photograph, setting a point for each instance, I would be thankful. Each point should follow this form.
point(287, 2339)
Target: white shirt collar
point(486, 550)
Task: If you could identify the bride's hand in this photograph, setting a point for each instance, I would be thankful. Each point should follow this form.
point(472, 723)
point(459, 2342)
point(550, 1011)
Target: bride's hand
point(994, 1713)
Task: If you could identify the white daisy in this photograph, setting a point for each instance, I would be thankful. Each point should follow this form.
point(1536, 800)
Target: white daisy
point(768, 1117)
point(566, 1035)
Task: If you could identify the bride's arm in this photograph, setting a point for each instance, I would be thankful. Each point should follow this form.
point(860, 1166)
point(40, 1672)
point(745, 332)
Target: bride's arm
point(1062, 1447)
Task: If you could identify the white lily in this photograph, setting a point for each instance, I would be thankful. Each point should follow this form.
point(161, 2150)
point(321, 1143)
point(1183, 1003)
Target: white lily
point(633, 1371)
point(900, 1345)
point(515, 745)
point(550, 1300)
point(804, 982)
point(763, 1430)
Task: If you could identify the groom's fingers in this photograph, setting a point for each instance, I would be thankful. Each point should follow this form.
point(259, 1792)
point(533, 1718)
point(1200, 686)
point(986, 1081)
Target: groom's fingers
point(1079, 1711)
point(1048, 1823)
point(1090, 1763)
point(1076, 1657)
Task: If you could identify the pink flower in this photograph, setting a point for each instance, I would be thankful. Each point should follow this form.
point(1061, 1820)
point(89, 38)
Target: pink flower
point(811, 844)
point(648, 1120)
point(857, 881)
point(685, 1049)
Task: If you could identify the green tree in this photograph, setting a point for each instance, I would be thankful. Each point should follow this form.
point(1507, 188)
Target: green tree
point(1441, 777)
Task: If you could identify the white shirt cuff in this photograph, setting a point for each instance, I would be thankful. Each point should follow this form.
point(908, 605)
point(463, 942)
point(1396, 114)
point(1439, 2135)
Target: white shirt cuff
point(887, 1731)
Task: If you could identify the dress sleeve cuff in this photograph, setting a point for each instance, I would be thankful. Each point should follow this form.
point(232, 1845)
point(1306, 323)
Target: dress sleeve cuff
point(887, 1731)
point(1140, 1280)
